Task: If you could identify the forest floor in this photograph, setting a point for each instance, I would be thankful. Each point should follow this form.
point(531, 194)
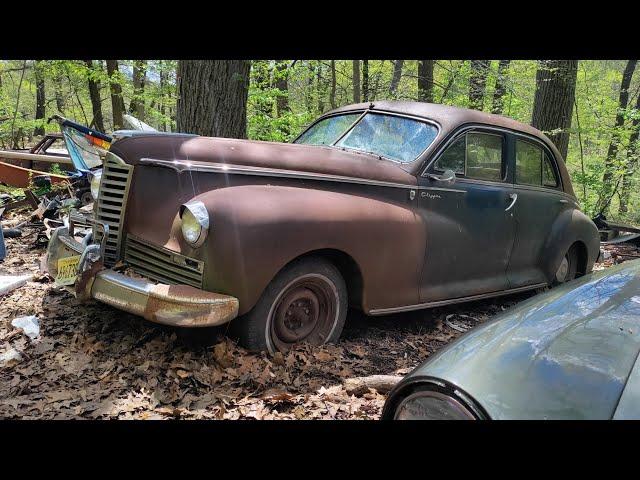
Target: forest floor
point(91, 361)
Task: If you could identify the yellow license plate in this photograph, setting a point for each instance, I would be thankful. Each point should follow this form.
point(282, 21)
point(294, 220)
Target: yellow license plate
point(67, 270)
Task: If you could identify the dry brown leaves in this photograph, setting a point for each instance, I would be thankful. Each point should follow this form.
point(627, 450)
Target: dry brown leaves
point(93, 362)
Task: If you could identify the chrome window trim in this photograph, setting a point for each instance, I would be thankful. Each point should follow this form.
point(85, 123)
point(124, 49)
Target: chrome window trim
point(470, 126)
point(464, 130)
point(544, 150)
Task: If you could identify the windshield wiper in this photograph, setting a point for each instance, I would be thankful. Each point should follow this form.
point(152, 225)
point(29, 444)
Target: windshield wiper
point(379, 155)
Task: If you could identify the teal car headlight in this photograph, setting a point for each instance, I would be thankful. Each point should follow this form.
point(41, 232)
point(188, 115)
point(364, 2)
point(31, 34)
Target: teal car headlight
point(431, 405)
point(95, 183)
point(195, 223)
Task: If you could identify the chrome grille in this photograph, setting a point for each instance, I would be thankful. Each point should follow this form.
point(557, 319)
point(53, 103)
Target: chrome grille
point(162, 264)
point(110, 208)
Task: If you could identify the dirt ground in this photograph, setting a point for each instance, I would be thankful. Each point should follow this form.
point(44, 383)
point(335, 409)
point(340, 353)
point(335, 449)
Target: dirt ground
point(91, 361)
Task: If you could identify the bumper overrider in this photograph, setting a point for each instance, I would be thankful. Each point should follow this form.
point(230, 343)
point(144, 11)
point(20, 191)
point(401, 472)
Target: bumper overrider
point(176, 305)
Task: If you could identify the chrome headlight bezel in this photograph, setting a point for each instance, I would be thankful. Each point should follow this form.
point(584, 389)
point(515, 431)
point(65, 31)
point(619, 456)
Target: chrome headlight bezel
point(197, 212)
point(94, 183)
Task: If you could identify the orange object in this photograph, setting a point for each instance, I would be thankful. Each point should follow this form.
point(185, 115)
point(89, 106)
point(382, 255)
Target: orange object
point(20, 177)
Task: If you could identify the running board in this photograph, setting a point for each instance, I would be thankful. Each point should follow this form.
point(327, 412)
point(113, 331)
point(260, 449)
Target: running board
point(440, 303)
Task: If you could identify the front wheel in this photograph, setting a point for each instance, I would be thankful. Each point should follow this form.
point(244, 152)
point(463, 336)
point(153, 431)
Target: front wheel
point(305, 302)
point(568, 268)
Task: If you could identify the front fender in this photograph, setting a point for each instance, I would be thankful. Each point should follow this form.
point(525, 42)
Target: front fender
point(258, 229)
point(569, 227)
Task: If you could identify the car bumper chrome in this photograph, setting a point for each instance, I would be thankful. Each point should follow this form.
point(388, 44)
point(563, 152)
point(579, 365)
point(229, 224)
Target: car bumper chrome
point(176, 305)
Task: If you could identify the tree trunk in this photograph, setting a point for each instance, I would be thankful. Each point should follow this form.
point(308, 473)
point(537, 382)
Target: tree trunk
point(365, 80)
point(40, 97)
point(632, 161)
point(94, 95)
point(212, 97)
point(501, 87)
point(395, 79)
point(57, 86)
point(356, 81)
point(606, 192)
point(136, 106)
point(553, 101)
point(332, 93)
point(478, 83)
point(320, 88)
point(425, 80)
point(117, 103)
point(163, 83)
point(282, 84)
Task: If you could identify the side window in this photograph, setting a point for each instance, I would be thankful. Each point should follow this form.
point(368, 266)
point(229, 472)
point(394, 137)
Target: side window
point(484, 156)
point(549, 177)
point(453, 157)
point(528, 163)
point(474, 155)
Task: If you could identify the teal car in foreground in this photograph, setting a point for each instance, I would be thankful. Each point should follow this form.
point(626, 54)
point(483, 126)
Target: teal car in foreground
point(570, 353)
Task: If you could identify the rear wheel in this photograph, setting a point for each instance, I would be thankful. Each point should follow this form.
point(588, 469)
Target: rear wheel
point(306, 302)
point(568, 268)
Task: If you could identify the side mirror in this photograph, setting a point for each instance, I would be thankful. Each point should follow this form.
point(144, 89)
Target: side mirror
point(448, 176)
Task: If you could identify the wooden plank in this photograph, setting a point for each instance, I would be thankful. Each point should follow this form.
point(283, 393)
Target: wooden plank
point(34, 157)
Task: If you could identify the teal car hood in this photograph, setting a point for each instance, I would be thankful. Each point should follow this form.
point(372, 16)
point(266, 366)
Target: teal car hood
point(565, 354)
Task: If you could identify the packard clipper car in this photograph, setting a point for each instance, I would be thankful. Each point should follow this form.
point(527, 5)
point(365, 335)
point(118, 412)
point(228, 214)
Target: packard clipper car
point(386, 207)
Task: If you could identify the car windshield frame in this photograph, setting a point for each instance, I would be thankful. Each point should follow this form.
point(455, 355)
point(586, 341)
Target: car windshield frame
point(362, 114)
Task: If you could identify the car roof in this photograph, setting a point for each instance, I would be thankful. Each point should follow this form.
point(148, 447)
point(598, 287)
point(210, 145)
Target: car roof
point(445, 115)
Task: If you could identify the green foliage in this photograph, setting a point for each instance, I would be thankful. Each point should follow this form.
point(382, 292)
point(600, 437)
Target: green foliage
point(277, 113)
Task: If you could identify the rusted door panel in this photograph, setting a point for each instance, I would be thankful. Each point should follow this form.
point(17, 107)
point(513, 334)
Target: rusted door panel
point(535, 213)
point(469, 239)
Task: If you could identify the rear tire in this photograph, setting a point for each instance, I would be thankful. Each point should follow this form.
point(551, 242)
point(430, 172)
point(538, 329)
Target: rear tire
point(568, 268)
point(305, 302)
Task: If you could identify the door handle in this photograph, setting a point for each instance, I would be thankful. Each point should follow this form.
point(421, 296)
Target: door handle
point(514, 198)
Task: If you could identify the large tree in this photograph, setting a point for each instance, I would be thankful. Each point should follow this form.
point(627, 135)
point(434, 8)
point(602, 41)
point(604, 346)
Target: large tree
point(281, 82)
point(356, 81)
point(477, 83)
point(40, 97)
point(501, 87)
point(136, 106)
point(395, 78)
point(628, 182)
point(553, 100)
point(212, 97)
point(93, 75)
point(607, 190)
point(117, 102)
point(425, 80)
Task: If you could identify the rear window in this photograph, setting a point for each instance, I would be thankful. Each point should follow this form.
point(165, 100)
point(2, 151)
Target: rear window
point(534, 166)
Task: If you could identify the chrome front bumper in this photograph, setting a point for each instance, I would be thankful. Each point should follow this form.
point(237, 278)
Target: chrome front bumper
point(176, 305)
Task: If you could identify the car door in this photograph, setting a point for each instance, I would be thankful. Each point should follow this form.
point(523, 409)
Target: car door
point(470, 229)
point(539, 201)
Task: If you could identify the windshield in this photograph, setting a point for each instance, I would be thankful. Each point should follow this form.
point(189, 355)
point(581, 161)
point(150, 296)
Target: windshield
point(399, 139)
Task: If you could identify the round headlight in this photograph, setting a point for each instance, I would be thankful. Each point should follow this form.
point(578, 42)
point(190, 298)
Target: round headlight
point(195, 223)
point(95, 183)
point(430, 405)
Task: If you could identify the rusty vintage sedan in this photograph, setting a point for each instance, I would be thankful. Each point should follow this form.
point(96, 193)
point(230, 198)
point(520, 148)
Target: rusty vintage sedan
point(385, 206)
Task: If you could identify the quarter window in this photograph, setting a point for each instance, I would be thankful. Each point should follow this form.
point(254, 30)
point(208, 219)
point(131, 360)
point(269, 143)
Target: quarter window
point(475, 155)
point(549, 177)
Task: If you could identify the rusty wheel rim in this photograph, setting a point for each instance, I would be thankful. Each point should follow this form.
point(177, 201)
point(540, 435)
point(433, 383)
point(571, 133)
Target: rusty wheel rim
point(305, 311)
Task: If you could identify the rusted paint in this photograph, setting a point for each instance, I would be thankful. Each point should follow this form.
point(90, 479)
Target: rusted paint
point(20, 177)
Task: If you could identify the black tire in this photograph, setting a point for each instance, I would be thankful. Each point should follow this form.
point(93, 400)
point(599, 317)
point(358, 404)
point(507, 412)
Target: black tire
point(568, 268)
point(305, 302)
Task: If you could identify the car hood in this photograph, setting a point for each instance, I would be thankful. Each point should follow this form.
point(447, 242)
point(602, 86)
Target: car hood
point(565, 354)
point(247, 153)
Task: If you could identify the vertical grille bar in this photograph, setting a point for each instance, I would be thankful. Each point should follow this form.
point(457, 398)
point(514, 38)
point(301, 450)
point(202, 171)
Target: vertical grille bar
point(111, 204)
